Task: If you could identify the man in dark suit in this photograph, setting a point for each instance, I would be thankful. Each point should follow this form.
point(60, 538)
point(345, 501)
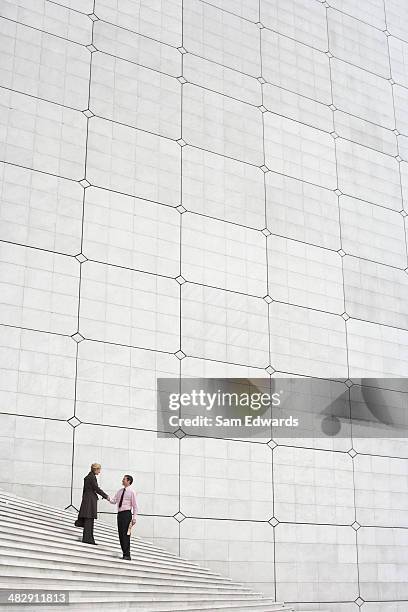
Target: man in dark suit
point(88, 510)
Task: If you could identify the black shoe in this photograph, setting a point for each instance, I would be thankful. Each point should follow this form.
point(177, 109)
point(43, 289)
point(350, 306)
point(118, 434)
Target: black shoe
point(126, 558)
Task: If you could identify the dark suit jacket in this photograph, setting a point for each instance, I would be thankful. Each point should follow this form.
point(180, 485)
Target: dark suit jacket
point(90, 493)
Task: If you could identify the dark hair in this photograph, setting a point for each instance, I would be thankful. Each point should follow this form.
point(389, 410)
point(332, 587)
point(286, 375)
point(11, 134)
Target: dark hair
point(129, 478)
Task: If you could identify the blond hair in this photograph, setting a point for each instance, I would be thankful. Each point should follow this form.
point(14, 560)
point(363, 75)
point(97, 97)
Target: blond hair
point(95, 466)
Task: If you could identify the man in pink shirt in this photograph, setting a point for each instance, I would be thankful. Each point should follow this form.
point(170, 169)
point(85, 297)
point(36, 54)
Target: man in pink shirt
point(125, 498)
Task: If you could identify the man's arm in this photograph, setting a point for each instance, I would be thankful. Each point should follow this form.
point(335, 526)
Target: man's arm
point(135, 509)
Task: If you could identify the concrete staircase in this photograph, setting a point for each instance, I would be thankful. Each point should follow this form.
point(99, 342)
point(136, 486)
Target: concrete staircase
point(41, 549)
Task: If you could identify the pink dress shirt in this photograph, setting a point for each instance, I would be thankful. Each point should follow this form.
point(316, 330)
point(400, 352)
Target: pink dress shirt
point(129, 500)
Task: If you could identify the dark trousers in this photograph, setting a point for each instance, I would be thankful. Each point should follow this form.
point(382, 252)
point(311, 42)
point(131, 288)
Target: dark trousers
point(124, 518)
point(88, 536)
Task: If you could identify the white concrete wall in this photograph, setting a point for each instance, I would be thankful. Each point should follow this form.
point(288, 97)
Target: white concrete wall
point(249, 149)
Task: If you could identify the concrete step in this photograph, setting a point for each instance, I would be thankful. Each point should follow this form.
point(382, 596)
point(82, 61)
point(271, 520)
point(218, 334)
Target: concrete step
point(127, 606)
point(43, 561)
point(103, 552)
point(65, 523)
point(40, 549)
point(80, 599)
point(107, 532)
point(175, 603)
point(33, 509)
point(149, 601)
point(60, 533)
point(142, 595)
point(100, 570)
point(107, 536)
point(171, 601)
point(59, 547)
point(51, 572)
point(10, 545)
point(86, 556)
point(82, 596)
